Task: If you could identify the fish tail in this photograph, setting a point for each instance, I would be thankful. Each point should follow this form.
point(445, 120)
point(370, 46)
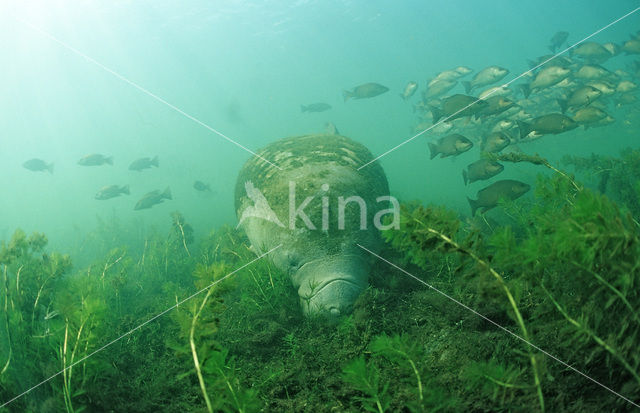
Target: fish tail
point(465, 176)
point(467, 87)
point(531, 63)
point(526, 90)
point(346, 95)
point(50, 168)
point(109, 160)
point(474, 206)
point(167, 193)
point(552, 48)
point(125, 190)
point(436, 113)
point(155, 162)
point(525, 128)
point(303, 108)
point(433, 148)
point(563, 105)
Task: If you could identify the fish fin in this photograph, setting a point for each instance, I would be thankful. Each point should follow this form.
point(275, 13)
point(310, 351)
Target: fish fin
point(155, 162)
point(167, 193)
point(125, 190)
point(563, 105)
point(346, 95)
point(524, 127)
point(50, 168)
point(303, 108)
point(402, 96)
point(526, 90)
point(433, 148)
point(467, 87)
point(436, 113)
point(474, 206)
point(109, 160)
point(531, 63)
point(465, 177)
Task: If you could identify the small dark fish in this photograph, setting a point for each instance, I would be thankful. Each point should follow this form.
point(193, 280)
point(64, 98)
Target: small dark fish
point(485, 77)
point(409, 90)
point(95, 160)
point(438, 88)
point(558, 40)
point(38, 165)
point(589, 115)
point(553, 123)
point(315, 107)
point(201, 186)
point(364, 91)
point(481, 170)
point(112, 191)
point(153, 198)
point(495, 142)
point(631, 46)
point(490, 196)
point(561, 61)
point(457, 106)
point(496, 105)
point(144, 163)
point(450, 145)
point(580, 97)
point(591, 51)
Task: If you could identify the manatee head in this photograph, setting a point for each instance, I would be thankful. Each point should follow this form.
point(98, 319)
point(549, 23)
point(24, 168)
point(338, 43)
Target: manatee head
point(315, 209)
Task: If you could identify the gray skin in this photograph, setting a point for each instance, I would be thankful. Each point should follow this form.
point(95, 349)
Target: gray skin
point(325, 265)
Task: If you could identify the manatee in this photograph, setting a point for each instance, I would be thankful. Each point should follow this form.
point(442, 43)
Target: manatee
point(298, 209)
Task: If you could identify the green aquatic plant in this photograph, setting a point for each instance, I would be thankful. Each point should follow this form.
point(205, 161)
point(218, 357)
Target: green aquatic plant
point(181, 231)
point(31, 277)
point(198, 320)
point(618, 177)
point(502, 382)
point(397, 349)
point(433, 229)
point(365, 377)
point(569, 270)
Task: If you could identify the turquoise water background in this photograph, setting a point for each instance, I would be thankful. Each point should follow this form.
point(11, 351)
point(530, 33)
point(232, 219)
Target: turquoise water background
point(244, 68)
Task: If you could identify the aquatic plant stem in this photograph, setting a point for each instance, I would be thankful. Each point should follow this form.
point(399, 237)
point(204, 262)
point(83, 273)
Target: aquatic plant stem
point(65, 388)
point(415, 371)
point(18, 279)
point(194, 351)
point(184, 239)
point(6, 321)
point(67, 371)
point(533, 159)
point(35, 303)
point(512, 301)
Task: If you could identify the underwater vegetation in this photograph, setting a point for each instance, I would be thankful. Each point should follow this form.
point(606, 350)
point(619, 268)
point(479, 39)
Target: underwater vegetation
point(618, 177)
point(185, 323)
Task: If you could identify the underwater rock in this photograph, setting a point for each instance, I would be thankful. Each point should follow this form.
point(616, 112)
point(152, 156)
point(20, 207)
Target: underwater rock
point(318, 207)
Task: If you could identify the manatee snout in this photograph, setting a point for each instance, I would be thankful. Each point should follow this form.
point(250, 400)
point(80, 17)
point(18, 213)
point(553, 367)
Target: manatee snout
point(330, 286)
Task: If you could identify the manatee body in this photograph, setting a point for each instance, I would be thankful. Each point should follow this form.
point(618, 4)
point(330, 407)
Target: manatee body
point(298, 208)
